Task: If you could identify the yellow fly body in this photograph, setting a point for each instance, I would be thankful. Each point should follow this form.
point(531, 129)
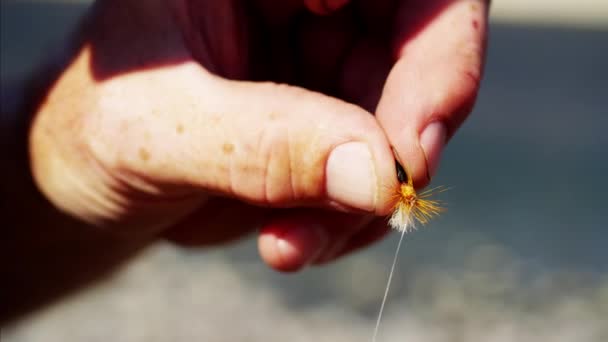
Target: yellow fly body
point(411, 207)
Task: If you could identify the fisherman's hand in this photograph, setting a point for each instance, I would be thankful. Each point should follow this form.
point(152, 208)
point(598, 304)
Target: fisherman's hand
point(205, 120)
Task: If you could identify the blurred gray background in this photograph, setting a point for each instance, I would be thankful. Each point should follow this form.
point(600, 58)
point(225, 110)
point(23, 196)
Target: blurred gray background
point(521, 254)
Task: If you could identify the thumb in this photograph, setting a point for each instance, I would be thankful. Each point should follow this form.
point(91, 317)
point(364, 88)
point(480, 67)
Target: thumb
point(264, 143)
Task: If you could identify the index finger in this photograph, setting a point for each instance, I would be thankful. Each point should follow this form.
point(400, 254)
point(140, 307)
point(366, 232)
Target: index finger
point(439, 47)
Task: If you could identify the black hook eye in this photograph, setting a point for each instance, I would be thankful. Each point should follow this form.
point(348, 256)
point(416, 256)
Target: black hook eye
point(401, 174)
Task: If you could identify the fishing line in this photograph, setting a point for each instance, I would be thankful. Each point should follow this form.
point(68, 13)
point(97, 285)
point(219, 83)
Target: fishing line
point(388, 285)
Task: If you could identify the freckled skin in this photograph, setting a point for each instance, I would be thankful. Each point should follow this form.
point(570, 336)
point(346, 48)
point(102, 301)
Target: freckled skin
point(180, 129)
point(228, 148)
point(144, 154)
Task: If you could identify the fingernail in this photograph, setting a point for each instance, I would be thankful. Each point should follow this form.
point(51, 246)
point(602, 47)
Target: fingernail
point(351, 176)
point(432, 141)
point(301, 245)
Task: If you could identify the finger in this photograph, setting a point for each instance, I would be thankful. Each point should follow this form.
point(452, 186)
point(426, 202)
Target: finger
point(263, 143)
point(288, 243)
point(431, 88)
point(324, 7)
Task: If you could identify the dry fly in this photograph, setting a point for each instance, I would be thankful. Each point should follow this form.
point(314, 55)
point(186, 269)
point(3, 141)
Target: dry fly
point(410, 208)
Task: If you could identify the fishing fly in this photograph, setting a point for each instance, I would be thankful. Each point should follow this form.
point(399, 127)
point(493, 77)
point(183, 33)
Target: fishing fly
point(410, 208)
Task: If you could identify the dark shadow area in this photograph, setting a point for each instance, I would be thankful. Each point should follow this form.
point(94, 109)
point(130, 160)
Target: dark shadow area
point(311, 50)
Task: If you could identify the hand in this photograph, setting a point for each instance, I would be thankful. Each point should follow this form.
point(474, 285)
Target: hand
point(161, 124)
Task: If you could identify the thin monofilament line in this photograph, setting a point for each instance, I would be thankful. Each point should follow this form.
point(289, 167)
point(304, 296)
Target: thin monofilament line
point(388, 285)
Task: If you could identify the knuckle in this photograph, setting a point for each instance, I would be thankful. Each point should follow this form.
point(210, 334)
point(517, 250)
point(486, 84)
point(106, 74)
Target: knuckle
point(250, 167)
point(285, 169)
point(279, 162)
